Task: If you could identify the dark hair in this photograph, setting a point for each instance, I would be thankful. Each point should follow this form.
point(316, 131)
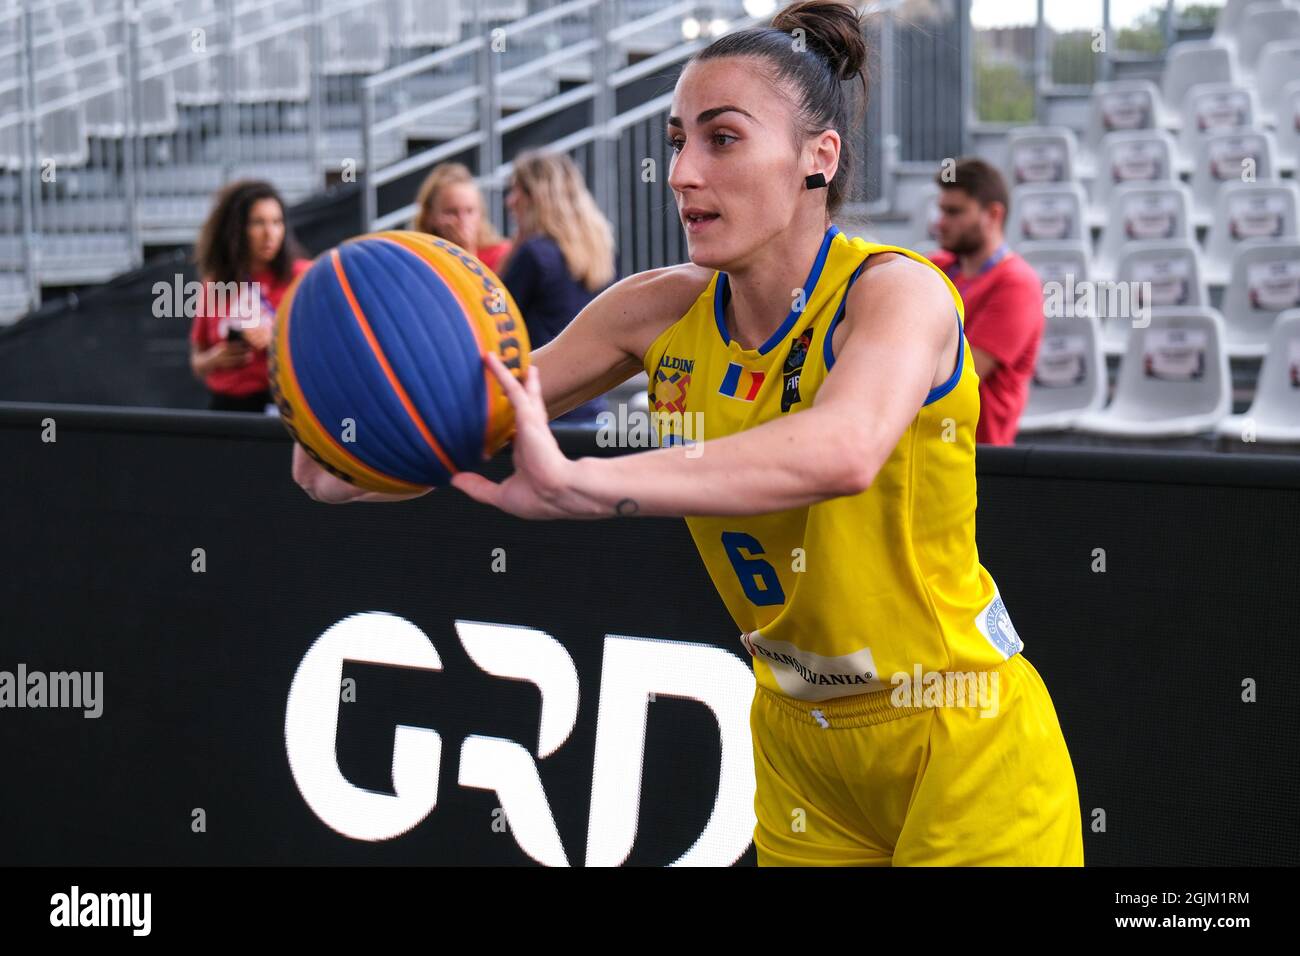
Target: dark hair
point(816, 63)
point(976, 179)
point(221, 251)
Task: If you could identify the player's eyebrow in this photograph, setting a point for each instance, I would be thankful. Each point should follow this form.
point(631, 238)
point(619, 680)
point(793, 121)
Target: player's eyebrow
point(709, 114)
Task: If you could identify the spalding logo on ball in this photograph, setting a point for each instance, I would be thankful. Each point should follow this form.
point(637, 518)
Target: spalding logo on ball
point(377, 361)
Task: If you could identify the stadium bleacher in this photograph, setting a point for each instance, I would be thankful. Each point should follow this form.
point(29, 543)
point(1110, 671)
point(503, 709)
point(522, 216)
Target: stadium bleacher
point(1189, 183)
point(118, 122)
point(140, 118)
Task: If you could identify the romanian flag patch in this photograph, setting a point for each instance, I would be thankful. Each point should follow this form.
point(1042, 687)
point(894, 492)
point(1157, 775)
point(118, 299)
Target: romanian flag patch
point(741, 383)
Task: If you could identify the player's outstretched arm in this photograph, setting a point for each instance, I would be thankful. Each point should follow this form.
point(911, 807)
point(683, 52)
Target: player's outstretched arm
point(900, 328)
point(600, 349)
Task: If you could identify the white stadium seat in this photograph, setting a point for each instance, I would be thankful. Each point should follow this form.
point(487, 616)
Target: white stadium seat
point(1121, 105)
point(105, 113)
point(84, 42)
point(1192, 62)
point(187, 10)
point(1278, 66)
point(1211, 108)
point(1159, 275)
point(11, 135)
point(62, 131)
point(1265, 23)
point(1041, 154)
point(420, 23)
point(1173, 379)
point(1173, 270)
point(1264, 283)
point(1069, 379)
point(355, 42)
point(1274, 415)
point(1067, 262)
point(1248, 211)
point(1139, 156)
point(1230, 156)
point(500, 9)
point(197, 83)
point(1227, 26)
point(1046, 211)
point(1138, 212)
point(1288, 126)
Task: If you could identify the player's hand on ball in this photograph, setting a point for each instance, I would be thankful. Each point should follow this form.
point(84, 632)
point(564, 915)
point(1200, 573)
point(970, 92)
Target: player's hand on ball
point(542, 479)
point(321, 486)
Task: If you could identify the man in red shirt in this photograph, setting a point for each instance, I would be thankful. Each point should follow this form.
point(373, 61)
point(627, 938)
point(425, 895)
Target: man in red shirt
point(1002, 293)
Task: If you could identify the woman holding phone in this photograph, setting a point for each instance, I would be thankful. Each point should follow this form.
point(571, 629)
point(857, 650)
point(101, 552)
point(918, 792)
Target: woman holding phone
point(247, 258)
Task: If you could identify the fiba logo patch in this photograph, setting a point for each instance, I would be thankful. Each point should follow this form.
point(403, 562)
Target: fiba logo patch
point(793, 369)
point(995, 624)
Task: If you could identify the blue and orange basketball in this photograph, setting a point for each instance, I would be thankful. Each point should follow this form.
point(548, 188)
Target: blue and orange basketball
point(377, 363)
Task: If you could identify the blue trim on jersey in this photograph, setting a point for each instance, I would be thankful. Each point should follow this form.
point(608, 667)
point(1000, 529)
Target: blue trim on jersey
point(721, 295)
point(827, 356)
point(722, 292)
point(941, 390)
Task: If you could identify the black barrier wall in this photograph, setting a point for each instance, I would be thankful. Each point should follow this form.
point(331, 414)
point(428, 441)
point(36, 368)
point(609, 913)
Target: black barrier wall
point(285, 682)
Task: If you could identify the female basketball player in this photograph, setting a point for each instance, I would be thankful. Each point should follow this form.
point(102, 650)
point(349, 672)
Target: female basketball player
point(833, 500)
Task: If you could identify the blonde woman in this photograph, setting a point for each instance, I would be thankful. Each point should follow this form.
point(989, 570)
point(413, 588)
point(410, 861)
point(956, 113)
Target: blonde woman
point(450, 206)
point(563, 254)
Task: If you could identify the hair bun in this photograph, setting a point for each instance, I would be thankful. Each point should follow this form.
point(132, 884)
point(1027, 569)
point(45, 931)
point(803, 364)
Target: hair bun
point(832, 29)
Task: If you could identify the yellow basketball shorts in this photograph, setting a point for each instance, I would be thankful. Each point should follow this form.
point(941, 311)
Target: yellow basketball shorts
point(863, 781)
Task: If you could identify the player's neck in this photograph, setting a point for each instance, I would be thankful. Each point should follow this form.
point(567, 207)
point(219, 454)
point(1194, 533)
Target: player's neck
point(970, 264)
point(764, 290)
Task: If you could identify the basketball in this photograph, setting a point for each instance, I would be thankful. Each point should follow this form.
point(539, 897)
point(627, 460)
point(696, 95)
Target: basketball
point(377, 362)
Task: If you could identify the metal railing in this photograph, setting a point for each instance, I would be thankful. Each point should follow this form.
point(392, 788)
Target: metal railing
point(19, 289)
point(119, 119)
point(122, 118)
point(582, 40)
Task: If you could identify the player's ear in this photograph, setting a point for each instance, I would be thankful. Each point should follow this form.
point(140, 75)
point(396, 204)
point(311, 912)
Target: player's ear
point(826, 153)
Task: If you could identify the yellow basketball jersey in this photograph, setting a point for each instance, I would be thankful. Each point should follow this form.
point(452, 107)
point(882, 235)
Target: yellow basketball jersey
point(837, 598)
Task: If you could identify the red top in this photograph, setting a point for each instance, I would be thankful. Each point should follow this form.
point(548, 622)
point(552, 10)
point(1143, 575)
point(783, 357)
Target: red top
point(1004, 317)
point(491, 256)
point(207, 329)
